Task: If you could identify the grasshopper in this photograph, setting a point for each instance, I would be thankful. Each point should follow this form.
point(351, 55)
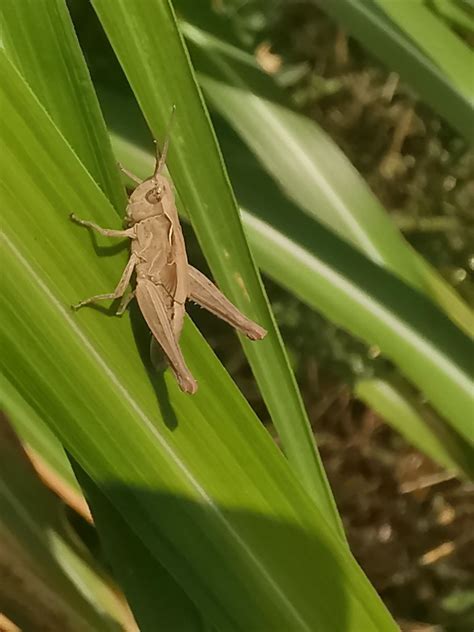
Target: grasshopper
point(164, 278)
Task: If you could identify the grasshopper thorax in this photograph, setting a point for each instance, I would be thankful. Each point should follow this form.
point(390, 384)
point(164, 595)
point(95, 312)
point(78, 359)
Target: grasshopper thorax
point(147, 199)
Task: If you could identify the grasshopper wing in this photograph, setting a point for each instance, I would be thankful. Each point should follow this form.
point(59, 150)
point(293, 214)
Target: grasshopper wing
point(152, 301)
point(175, 275)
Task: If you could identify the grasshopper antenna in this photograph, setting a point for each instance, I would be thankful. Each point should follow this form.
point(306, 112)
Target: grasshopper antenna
point(161, 158)
point(129, 174)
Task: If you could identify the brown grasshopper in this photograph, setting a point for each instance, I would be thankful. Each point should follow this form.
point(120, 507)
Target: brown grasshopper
point(164, 278)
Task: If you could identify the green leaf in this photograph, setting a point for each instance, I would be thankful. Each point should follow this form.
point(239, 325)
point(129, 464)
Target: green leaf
point(34, 433)
point(39, 39)
point(374, 305)
point(155, 598)
point(454, 14)
point(162, 600)
point(436, 40)
point(197, 478)
point(406, 411)
point(202, 184)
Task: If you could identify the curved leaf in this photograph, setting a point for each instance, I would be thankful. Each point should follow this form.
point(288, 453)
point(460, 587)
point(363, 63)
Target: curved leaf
point(404, 409)
point(409, 329)
point(34, 433)
point(163, 602)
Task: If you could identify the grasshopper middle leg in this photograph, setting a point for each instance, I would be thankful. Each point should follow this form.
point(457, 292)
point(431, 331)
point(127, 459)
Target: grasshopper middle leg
point(119, 290)
point(126, 300)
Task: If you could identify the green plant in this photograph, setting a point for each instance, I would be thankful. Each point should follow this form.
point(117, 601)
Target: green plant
point(193, 491)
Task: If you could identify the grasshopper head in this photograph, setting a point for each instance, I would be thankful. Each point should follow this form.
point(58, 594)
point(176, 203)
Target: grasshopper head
point(147, 199)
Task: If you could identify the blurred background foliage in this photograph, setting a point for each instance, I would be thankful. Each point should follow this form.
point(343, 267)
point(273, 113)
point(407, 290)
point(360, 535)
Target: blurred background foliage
point(409, 523)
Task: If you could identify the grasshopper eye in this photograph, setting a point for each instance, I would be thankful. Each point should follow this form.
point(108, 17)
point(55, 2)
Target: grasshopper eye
point(154, 195)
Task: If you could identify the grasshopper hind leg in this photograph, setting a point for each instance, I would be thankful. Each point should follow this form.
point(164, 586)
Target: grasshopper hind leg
point(205, 293)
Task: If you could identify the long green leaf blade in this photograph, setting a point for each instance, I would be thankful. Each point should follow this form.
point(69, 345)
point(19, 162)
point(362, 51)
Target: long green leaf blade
point(409, 329)
point(198, 174)
point(155, 598)
point(34, 433)
point(396, 402)
point(153, 594)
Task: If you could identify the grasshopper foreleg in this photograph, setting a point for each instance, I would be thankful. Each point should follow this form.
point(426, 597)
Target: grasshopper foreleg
point(107, 232)
point(129, 174)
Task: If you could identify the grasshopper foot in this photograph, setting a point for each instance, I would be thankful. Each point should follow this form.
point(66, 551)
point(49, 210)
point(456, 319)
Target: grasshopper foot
point(77, 306)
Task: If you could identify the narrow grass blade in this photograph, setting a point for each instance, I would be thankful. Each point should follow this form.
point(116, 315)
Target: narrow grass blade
point(153, 594)
point(407, 327)
point(398, 403)
point(454, 14)
point(35, 434)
